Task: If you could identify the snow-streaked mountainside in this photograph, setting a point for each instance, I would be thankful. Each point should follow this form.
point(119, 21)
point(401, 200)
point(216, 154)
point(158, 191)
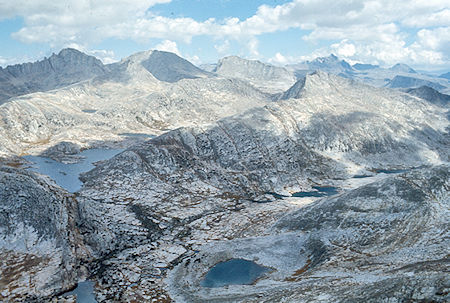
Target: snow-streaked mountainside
point(322, 179)
point(266, 77)
point(68, 67)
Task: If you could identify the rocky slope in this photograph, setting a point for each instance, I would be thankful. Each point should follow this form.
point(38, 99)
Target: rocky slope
point(199, 184)
point(383, 242)
point(330, 64)
point(40, 246)
point(129, 99)
point(399, 75)
point(402, 68)
point(405, 82)
point(430, 94)
point(220, 182)
point(68, 67)
point(169, 67)
point(268, 78)
point(446, 76)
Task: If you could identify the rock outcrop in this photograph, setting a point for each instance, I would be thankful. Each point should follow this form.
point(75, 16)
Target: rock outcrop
point(193, 184)
point(383, 242)
point(129, 99)
point(268, 78)
point(40, 246)
point(430, 94)
point(68, 67)
point(411, 82)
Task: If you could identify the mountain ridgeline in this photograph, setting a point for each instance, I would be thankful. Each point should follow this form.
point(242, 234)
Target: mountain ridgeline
point(321, 173)
point(67, 67)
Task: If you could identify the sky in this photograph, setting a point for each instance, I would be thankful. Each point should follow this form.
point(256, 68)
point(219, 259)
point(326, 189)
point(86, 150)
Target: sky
point(383, 32)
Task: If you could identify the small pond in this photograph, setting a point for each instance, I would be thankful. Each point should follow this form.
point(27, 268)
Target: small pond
point(66, 175)
point(84, 292)
point(233, 272)
point(391, 171)
point(319, 191)
point(361, 176)
point(138, 135)
point(89, 111)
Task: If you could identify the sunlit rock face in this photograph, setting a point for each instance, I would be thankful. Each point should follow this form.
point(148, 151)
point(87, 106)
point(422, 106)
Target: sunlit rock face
point(268, 78)
point(309, 182)
point(68, 67)
point(40, 246)
point(172, 189)
point(385, 241)
point(149, 92)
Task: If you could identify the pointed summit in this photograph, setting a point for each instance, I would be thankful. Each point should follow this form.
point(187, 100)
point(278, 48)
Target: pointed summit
point(330, 63)
point(402, 68)
point(68, 67)
point(165, 66)
point(169, 67)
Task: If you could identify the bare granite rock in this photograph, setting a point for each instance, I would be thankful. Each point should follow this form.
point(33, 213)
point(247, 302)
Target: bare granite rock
point(68, 67)
point(383, 242)
point(40, 246)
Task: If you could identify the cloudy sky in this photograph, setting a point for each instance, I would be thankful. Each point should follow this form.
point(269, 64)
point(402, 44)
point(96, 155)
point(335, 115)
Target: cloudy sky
point(416, 32)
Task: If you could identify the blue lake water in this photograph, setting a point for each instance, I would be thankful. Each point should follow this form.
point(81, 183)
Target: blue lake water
point(66, 175)
point(233, 272)
point(138, 135)
point(391, 171)
point(84, 292)
point(320, 191)
point(361, 176)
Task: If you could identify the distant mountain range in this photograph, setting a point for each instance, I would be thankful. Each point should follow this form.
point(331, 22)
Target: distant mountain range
point(225, 163)
point(68, 67)
point(71, 66)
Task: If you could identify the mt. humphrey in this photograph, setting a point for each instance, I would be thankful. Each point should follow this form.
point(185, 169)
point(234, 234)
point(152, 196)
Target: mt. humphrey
point(241, 153)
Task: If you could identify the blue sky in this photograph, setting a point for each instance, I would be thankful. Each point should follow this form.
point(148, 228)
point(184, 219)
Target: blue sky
point(415, 32)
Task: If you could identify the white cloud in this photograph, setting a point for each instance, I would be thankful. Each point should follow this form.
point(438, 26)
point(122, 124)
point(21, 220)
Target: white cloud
point(168, 46)
point(371, 30)
point(344, 49)
point(106, 56)
point(223, 47)
point(77, 21)
point(3, 61)
point(279, 59)
point(194, 59)
point(252, 46)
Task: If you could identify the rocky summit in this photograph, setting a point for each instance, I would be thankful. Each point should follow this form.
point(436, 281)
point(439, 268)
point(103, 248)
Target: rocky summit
point(244, 183)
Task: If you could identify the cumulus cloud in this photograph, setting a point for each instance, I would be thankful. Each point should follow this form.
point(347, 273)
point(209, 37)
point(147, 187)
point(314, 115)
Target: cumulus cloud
point(371, 30)
point(223, 47)
point(279, 59)
point(168, 46)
